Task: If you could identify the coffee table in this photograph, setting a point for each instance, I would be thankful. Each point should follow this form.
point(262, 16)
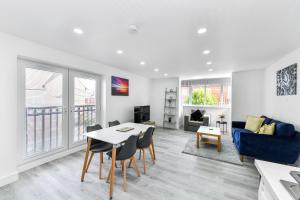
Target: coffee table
point(209, 135)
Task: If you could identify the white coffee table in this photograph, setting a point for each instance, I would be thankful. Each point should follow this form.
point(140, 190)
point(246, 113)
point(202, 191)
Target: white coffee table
point(209, 135)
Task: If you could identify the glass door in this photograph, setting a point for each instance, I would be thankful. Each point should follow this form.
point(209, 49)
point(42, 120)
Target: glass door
point(45, 102)
point(84, 104)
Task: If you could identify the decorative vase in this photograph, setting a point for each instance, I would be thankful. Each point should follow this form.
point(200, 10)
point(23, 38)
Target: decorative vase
point(222, 116)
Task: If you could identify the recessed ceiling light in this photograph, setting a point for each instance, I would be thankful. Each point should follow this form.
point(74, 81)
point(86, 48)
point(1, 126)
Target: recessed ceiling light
point(119, 51)
point(205, 52)
point(208, 62)
point(165, 74)
point(156, 70)
point(202, 30)
point(142, 63)
point(78, 31)
point(210, 70)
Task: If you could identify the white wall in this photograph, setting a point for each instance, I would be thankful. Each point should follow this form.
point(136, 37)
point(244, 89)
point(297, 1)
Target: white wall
point(120, 108)
point(157, 97)
point(284, 108)
point(247, 94)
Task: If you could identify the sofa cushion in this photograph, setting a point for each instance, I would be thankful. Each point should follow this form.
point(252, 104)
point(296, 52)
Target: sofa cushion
point(195, 123)
point(254, 123)
point(267, 120)
point(267, 129)
point(284, 129)
point(196, 115)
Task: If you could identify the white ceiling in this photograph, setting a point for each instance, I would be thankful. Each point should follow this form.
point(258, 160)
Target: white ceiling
point(242, 34)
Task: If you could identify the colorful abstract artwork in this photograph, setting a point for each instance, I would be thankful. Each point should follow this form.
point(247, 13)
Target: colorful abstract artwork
point(287, 81)
point(119, 86)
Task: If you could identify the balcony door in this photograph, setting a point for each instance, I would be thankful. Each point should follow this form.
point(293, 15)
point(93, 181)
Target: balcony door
point(45, 105)
point(56, 106)
point(84, 104)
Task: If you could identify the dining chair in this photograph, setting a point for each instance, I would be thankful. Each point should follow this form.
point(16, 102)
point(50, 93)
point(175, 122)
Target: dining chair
point(146, 143)
point(114, 123)
point(124, 153)
point(97, 147)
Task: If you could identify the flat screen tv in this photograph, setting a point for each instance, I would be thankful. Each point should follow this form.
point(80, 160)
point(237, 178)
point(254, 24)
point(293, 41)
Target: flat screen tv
point(119, 86)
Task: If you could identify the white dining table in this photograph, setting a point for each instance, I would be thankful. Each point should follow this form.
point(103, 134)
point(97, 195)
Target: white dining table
point(116, 138)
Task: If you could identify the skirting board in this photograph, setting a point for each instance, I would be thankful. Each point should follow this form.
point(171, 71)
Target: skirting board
point(5, 180)
point(30, 165)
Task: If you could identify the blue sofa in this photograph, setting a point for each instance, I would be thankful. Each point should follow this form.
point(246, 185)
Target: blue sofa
point(282, 147)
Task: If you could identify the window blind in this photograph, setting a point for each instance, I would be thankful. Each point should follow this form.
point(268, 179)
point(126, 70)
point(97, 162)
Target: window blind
point(222, 81)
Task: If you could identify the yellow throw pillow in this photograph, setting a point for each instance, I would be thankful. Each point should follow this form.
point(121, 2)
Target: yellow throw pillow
point(254, 123)
point(267, 129)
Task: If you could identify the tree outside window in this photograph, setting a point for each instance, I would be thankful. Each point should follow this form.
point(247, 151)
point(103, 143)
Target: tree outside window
point(198, 95)
point(211, 95)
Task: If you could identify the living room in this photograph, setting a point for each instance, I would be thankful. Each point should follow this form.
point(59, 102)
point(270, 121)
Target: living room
point(149, 100)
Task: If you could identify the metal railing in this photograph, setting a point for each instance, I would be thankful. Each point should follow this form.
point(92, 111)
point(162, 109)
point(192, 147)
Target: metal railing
point(85, 115)
point(44, 130)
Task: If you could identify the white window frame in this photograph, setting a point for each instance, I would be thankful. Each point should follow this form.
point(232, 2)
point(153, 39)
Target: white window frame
point(221, 104)
point(22, 158)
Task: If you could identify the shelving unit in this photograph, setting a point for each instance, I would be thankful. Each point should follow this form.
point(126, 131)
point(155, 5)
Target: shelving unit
point(170, 109)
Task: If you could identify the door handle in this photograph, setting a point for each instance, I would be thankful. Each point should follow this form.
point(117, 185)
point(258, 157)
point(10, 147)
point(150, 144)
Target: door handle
point(72, 108)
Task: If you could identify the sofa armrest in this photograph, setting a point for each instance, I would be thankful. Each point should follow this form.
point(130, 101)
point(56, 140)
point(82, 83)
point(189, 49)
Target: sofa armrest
point(205, 121)
point(186, 122)
point(238, 124)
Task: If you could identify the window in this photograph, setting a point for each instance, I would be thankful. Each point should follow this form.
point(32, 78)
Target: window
point(213, 95)
point(206, 92)
point(56, 106)
point(198, 95)
point(185, 95)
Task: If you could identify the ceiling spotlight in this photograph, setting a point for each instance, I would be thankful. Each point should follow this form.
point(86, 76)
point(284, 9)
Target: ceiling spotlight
point(210, 70)
point(205, 52)
point(165, 74)
point(202, 30)
point(142, 63)
point(119, 51)
point(208, 62)
point(78, 31)
point(132, 28)
point(156, 70)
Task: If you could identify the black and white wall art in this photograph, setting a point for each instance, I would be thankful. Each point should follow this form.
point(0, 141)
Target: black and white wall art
point(287, 81)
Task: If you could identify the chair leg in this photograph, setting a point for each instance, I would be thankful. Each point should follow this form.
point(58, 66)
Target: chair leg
point(100, 165)
point(86, 159)
point(153, 151)
point(144, 158)
point(130, 162)
point(101, 158)
point(135, 167)
point(88, 165)
point(124, 174)
point(140, 155)
point(151, 154)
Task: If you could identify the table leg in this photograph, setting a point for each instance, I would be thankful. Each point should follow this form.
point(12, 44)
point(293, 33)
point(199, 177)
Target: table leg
point(198, 140)
point(86, 159)
point(112, 173)
point(219, 143)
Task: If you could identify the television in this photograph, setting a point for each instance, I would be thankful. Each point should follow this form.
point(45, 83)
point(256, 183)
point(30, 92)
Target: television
point(119, 86)
point(141, 114)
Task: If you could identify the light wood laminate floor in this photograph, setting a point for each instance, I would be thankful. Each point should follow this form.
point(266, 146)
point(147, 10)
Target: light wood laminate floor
point(174, 176)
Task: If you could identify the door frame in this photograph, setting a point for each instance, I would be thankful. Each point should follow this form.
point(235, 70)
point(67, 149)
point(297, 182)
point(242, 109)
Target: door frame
point(24, 63)
point(77, 73)
point(22, 159)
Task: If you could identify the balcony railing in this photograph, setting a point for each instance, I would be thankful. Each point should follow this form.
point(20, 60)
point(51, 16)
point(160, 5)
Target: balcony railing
point(44, 130)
